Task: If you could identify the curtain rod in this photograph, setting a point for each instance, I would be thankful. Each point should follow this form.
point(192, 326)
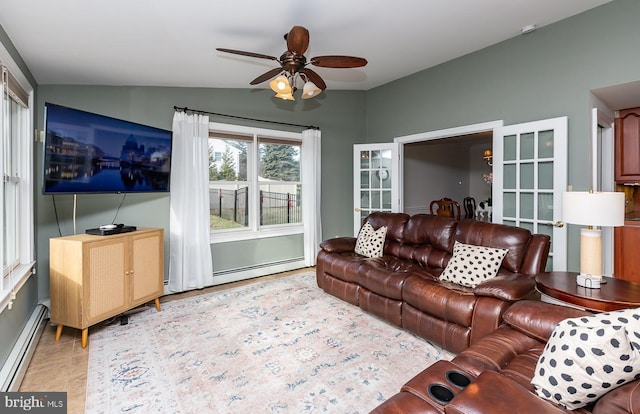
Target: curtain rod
point(185, 109)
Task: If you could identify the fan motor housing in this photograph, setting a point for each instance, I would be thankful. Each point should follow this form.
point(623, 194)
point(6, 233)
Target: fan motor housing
point(292, 62)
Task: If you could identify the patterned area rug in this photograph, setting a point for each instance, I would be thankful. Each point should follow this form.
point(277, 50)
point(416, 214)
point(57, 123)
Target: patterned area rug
point(278, 346)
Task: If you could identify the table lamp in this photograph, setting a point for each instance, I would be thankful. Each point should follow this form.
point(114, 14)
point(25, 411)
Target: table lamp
point(604, 209)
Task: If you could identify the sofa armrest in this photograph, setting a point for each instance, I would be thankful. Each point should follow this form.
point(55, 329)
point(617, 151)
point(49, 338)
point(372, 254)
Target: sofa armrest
point(538, 319)
point(339, 245)
point(625, 399)
point(507, 287)
point(492, 392)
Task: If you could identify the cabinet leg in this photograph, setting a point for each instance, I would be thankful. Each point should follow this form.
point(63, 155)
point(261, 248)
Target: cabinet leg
point(59, 331)
point(85, 335)
point(158, 304)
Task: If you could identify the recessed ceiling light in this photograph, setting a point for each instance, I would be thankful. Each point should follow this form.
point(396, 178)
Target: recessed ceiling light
point(528, 29)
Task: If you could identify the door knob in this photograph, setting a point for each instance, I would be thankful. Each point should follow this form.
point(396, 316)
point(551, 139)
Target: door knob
point(559, 224)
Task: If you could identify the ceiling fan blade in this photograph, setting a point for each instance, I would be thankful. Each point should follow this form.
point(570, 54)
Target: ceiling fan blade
point(250, 54)
point(297, 40)
point(315, 78)
point(266, 76)
point(336, 61)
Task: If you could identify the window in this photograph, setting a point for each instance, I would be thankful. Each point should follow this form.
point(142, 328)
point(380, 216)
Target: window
point(16, 196)
point(255, 184)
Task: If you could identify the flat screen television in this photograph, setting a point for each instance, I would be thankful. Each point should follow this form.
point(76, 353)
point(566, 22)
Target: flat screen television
point(90, 153)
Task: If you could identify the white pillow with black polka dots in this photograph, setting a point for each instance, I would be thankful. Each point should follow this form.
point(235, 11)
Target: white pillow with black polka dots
point(472, 265)
point(370, 242)
point(589, 356)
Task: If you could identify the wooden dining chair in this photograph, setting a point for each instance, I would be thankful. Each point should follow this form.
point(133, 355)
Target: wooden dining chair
point(469, 204)
point(445, 207)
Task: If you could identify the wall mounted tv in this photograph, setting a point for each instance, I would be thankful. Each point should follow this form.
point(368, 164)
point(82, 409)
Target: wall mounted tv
point(90, 153)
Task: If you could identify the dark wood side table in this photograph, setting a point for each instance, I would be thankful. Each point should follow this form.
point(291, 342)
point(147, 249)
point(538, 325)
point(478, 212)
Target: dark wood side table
point(614, 294)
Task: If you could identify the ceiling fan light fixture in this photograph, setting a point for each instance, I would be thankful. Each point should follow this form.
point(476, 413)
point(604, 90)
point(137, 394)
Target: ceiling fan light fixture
point(280, 85)
point(309, 90)
point(293, 68)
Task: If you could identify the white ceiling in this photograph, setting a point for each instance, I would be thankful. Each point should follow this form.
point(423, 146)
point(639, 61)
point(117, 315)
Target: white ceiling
point(172, 43)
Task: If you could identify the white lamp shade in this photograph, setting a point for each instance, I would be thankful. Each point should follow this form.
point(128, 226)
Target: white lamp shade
point(593, 208)
point(310, 90)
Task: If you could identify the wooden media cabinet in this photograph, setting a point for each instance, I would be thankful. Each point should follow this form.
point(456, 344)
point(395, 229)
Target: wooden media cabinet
point(94, 278)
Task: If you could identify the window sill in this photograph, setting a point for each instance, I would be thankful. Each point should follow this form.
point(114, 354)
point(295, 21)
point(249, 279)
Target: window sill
point(265, 232)
point(20, 276)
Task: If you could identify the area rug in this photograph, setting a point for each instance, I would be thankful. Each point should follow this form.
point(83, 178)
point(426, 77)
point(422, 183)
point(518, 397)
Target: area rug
point(277, 346)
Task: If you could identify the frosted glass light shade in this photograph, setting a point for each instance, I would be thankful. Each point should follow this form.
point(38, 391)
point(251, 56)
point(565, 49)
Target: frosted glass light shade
point(280, 85)
point(310, 90)
point(286, 96)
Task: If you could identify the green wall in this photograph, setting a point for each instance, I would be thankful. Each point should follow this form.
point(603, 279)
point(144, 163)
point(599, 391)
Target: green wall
point(544, 74)
point(339, 114)
point(248, 253)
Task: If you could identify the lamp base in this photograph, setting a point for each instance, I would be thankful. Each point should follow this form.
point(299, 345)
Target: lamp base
point(589, 281)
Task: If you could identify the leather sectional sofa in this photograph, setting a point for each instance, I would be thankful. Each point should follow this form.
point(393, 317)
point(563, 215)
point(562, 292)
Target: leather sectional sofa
point(497, 331)
point(403, 287)
point(494, 375)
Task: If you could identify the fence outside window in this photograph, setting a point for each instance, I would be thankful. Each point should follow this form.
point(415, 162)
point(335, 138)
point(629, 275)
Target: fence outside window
point(232, 207)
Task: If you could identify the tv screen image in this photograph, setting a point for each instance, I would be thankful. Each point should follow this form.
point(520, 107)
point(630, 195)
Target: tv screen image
point(90, 153)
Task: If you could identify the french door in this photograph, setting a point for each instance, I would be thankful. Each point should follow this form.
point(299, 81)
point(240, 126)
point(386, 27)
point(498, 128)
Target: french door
point(377, 177)
point(529, 177)
point(530, 174)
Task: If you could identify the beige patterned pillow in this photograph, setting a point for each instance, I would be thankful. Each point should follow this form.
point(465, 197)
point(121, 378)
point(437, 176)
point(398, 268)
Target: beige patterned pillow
point(472, 265)
point(370, 242)
point(589, 356)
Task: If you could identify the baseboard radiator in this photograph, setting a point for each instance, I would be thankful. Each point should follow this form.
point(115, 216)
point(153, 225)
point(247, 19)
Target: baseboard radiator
point(250, 272)
point(18, 360)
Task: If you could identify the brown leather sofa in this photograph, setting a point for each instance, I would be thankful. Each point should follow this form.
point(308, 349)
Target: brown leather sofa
point(494, 374)
point(403, 288)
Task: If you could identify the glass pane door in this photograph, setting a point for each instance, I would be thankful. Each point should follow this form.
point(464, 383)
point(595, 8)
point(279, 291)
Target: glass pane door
point(376, 180)
point(531, 161)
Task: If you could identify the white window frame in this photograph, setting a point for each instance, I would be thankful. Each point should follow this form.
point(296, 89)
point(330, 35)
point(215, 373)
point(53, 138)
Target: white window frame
point(254, 230)
point(15, 275)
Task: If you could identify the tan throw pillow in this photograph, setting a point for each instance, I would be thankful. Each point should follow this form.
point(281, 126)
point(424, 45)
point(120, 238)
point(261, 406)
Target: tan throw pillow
point(472, 265)
point(370, 242)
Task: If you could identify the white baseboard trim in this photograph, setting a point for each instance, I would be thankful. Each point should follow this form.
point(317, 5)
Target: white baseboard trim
point(18, 360)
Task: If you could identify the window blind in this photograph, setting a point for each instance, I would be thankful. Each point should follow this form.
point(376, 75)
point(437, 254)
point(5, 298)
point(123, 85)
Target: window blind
point(13, 88)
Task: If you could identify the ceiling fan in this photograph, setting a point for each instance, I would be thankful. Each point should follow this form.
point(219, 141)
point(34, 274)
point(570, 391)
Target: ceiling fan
point(293, 66)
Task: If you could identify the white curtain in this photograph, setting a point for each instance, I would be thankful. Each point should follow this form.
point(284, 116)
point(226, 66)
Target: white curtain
point(190, 265)
point(310, 160)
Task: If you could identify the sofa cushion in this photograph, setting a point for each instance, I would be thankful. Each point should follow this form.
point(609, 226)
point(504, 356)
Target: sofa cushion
point(395, 223)
point(446, 301)
point(426, 229)
point(370, 242)
point(589, 356)
point(500, 236)
point(471, 265)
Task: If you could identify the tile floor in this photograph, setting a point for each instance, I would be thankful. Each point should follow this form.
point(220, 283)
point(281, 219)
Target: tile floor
point(63, 365)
